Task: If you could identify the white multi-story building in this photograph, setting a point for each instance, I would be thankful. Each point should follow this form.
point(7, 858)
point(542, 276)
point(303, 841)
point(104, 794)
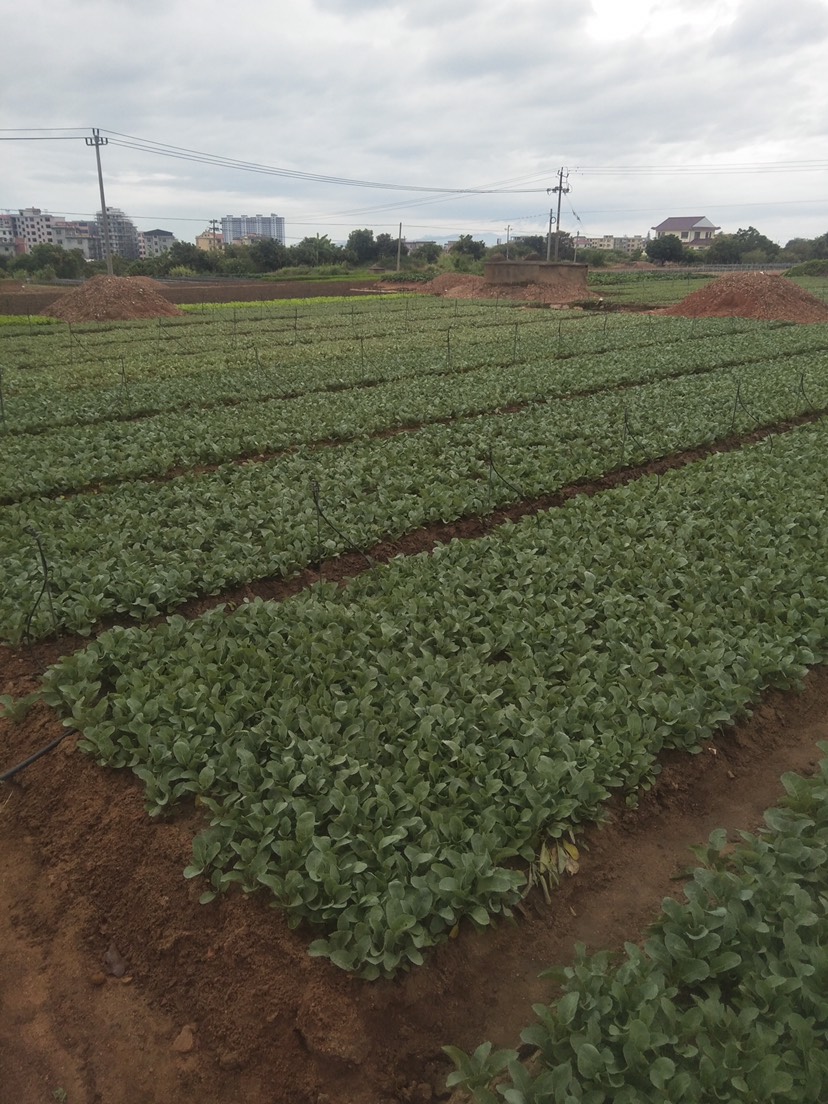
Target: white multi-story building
point(152, 243)
point(610, 242)
point(33, 227)
point(237, 228)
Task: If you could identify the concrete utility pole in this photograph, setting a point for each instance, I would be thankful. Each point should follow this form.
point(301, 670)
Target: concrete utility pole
point(97, 142)
point(399, 247)
point(549, 237)
point(214, 235)
point(508, 231)
point(561, 190)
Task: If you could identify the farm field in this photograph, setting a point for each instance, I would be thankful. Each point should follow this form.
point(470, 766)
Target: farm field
point(390, 763)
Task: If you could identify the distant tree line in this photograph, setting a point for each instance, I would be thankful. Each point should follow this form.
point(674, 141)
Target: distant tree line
point(746, 246)
point(318, 254)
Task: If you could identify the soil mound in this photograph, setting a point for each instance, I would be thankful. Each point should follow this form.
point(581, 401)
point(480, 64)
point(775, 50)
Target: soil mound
point(112, 299)
point(457, 285)
point(752, 295)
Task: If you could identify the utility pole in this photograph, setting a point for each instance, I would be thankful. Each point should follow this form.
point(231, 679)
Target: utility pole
point(399, 247)
point(549, 238)
point(213, 234)
point(561, 190)
point(508, 231)
point(97, 142)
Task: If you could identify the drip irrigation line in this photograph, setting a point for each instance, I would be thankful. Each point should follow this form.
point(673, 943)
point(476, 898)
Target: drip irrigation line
point(8, 775)
point(45, 589)
point(321, 516)
point(493, 471)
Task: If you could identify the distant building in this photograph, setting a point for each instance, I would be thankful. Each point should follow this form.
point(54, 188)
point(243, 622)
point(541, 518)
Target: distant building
point(123, 237)
point(10, 244)
point(694, 231)
point(77, 235)
point(610, 242)
point(152, 243)
point(415, 246)
point(33, 227)
point(211, 241)
point(238, 228)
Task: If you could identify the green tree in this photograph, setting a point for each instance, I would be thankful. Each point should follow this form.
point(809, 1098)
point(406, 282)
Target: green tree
point(430, 253)
point(798, 250)
point(751, 241)
point(387, 246)
point(65, 264)
point(724, 249)
point(466, 247)
point(668, 248)
point(361, 243)
point(313, 251)
point(267, 255)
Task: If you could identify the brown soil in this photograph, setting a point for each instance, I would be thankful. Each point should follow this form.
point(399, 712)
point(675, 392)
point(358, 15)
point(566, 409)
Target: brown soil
point(752, 295)
point(457, 285)
point(221, 1003)
point(112, 299)
point(32, 298)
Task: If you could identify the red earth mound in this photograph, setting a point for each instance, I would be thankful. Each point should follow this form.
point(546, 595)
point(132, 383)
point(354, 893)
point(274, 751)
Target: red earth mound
point(112, 299)
point(458, 285)
point(752, 295)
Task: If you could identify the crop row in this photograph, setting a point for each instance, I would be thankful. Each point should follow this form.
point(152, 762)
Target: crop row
point(726, 1000)
point(385, 759)
point(136, 384)
point(84, 346)
point(139, 548)
point(72, 458)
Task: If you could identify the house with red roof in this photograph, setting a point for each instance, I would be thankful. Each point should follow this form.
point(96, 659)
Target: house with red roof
point(694, 231)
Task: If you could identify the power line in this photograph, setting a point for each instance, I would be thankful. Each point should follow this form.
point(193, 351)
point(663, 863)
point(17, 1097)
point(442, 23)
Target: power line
point(164, 149)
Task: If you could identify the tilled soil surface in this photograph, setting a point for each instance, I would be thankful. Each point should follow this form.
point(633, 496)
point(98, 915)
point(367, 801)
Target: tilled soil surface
point(31, 299)
point(221, 1003)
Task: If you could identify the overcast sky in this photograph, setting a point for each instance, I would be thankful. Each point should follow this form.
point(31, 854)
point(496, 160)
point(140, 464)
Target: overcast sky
point(651, 105)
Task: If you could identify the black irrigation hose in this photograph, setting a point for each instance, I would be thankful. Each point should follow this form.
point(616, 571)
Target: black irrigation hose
point(493, 471)
point(9, 774)
point(46, 589)
point(320, 516)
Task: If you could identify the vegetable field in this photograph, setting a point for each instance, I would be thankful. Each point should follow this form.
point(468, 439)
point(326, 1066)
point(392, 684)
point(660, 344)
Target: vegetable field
point(407, 758)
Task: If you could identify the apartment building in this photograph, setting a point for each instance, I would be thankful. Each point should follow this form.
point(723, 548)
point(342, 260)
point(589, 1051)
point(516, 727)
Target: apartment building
point(152, 243)
point(239, 228)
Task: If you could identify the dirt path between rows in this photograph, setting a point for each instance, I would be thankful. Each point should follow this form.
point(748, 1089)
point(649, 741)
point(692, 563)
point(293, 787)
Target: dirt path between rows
point(221, 1003)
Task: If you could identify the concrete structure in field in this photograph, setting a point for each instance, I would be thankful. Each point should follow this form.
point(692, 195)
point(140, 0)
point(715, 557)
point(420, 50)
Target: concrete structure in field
point(569, 279)
point(238, 228)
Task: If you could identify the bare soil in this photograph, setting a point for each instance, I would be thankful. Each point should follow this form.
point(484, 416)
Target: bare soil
point(112, 299)
point(752, 295)
point(17, 298)
point(221, 1003)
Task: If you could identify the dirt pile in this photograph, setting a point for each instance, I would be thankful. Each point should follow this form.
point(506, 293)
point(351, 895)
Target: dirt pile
point(112, 299)
point(752, 295)
point(457, 285)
